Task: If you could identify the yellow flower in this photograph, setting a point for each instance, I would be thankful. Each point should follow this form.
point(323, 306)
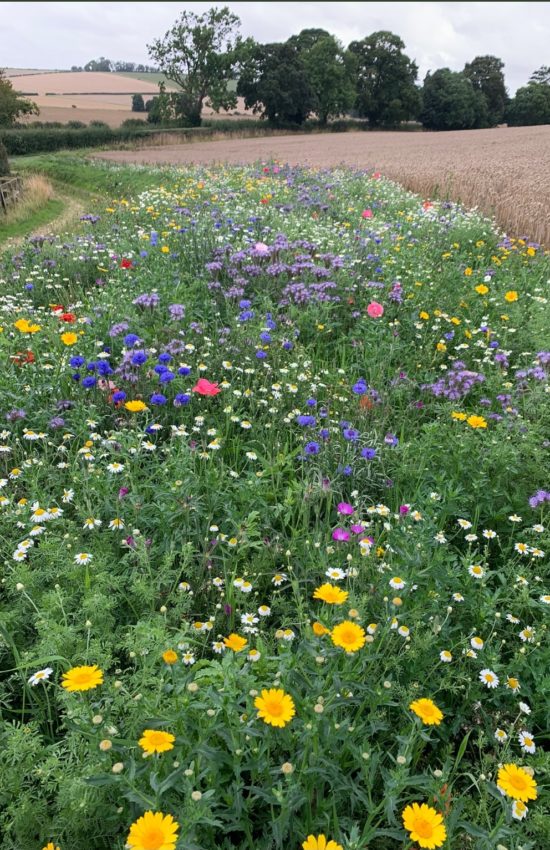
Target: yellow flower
point(348, 636)
point(320, 630)
point(135, 406)
point(156, 741)
point(531, 252)
point(51, 846)
point(165, 249)
point(468, 271)
point(169, 656)
point(69, 338)
point(425, 825)
point(235, 642)
point(82, 678)
point(424, 315)
point(441, 346)
point(511, 295)
point(428, 711)
point(331, 594)
point(460, 416)
point(319, 842)
point(153, 831)
point(476, 422)
point(25, 327)
point(515, 782)
point(482, 289)
point(275, 707)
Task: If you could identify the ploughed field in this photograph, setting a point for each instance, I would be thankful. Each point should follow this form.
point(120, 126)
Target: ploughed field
point(274, 510)
point(505, 171)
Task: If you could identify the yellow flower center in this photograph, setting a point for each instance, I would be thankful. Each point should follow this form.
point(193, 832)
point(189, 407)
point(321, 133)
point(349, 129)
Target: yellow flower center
point(423, 828)
point(274, 708)
point(348, 636)
point(517, 781)
point(153, 838)
point(82, 677)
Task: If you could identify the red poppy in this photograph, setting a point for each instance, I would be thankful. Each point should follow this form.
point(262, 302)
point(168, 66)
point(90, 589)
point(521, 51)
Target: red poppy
point(264, 200)
point(23, 357)
point(125, 264)
point(56, 308)
point(204, 387)
point(68, 317)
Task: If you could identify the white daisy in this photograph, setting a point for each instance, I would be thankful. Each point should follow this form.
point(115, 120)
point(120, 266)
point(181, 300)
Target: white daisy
point(519, 810)
point(40, 676)
point(476, 571)
point(83, 558)
point(526, 741)
point(487, 677)
point(446, 656)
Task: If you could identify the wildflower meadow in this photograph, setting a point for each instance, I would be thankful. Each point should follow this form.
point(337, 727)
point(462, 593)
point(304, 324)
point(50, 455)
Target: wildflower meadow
point(274, 512)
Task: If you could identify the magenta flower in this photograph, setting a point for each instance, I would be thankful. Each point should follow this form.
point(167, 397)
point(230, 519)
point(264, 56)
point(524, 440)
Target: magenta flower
point(340, 534)
point(404, 509)
point(345, 508)
point(357, 528)
point(366, 214)
point(375, 310)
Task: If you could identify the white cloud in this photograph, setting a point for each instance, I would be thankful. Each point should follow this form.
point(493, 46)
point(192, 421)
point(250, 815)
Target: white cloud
point(58, 35)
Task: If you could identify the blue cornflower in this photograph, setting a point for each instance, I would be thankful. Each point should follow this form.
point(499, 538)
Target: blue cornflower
point(312, 448)
point(306, 419)
point(368, 454)
point(265, 336)
point(360, 388)
point(184, 370)
point(351, 434)
point(75, 362)
point(131, 339)
point(311, 402)
point(158, 398)
point(181, 399)
point(165, 357)
point(120, 395)
point(261, 355)
point(89, 382)
point(139, 358)
point(166, 376)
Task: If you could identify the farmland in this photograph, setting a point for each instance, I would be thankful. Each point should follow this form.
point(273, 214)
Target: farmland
point(503, 172)
point(93, 95)
point(275, 515)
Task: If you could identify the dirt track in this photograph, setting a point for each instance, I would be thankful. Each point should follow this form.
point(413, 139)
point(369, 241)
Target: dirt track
point(504, 171)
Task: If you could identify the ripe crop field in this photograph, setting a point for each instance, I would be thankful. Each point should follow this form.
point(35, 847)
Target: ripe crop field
point(274, 511)
point(93, 95)
point(504, 172)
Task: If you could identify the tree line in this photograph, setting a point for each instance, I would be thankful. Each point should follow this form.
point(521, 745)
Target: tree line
point(312, 74)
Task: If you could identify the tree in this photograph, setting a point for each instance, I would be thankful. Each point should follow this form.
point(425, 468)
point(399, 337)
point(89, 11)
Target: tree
point(531, 105)
point(12, 106)
point(450, 102)
point(101, 64)
point(541, 75)
point(274, 83)
point(386, 77)
point(330, 72)
point(138, 104)
point(485, 73)
point(199, 55)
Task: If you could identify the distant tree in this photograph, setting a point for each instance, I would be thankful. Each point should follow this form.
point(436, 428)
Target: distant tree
point(386, 80)
point(138, 104)
point(4, 163)
point(330, 72)
point(12, 106)
point(531, 105)
point(124, 67)
point(274, 83)
point(158, 110)
point(485, 73)
point(198, 54)
point(76, 68)
point(541, 75)
point(450, 102)
point(101, 64)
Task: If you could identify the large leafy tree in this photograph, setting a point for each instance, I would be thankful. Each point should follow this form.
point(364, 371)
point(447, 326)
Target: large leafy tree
point(531, 105)
point(12, 106)
point(199, 55)
point(485, 73)
point(274, 83)
point(330, 72)
point(541, 75)
point(386, 80)
point(450, 102)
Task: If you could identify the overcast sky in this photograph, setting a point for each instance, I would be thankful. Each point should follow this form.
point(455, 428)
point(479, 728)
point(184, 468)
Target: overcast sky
point(436, 35)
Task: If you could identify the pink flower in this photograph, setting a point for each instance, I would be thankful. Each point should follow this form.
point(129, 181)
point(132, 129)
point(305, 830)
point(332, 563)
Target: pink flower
point(357, 528)
point(204, 387)
point(376, 175)
point(404, 509)
point(366, 214)
point(345, 508)
point(375, 310)
point(340, 534)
